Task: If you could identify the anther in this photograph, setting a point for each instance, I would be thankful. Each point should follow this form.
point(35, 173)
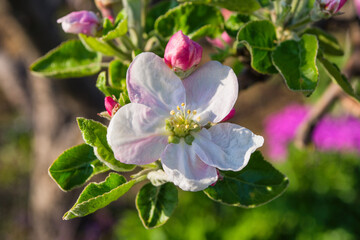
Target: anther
point(172, 112)
point(188, 111)
point(198, 119)
point(194, 112)
point(182, 104)
point(178, 108)
point(187, 126)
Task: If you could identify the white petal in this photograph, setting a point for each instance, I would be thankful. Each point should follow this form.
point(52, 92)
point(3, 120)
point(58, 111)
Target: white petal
point(185, 169)
point(236, 142)
point(136, 134)
point(151, 82)
point(212, 91)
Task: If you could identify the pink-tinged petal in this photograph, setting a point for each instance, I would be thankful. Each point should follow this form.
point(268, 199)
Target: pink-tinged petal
point(230, 115)
point(341, 4)
point(237, 142)
point(185, 169)
point(85, 22)
point(152, 83)
point(136, 134)
point(212, 91)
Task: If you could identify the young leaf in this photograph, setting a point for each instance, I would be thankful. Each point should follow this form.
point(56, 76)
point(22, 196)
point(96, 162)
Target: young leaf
point(327, 43)
point(70, 59)
point(99, 45)
point(296, 62)
point(195, 20)
point(94, 134)
point(98, 195)
point(259, 37)
point(243, 6)
point(235, 22)
point(101, 84)
point(75, 166)
point(258, 183)
point(156, 204)
point(334, 73)
point(117, 74)
point(120, 28)
point(156, 11)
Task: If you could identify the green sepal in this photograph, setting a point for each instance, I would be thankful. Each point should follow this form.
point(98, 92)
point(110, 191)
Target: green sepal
point(70, 59)
point(259, 37)
point(75, 166)
point(98, 195)
point(296, 62)
point(94, 134)
point(156, 204)
point(258, 183)
point(195, 20)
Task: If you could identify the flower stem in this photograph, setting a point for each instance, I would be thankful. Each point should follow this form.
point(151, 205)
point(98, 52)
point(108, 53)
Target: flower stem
point(301, 23)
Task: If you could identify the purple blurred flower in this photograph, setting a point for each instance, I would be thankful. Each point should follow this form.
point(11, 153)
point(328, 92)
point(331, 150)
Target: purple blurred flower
point(220, 42)
point(280, 129)
point(331, 6)
point(330, 133)
point(357, 7)
point(85, 22)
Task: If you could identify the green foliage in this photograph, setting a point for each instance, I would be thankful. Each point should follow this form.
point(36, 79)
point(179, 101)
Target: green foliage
point(296, 62)
point(258, 183)
point(119, 29)
point(235, 22)
point(156, 204)
point(70, 59)
point(98, 195)
point(334, 73)
point(156, 11)
point(195, 20)
point(260, 39)
point(243, 6)
point(75, 166)
point(94, 134)
point(327, 43)
point(99, 45)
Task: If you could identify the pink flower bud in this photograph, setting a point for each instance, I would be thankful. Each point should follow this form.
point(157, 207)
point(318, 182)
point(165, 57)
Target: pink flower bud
point(80, 22)
point(230, 115)
point(357, 7)
point(221, 41)
point(331, 6)
point(111, 105)
point(182, 54)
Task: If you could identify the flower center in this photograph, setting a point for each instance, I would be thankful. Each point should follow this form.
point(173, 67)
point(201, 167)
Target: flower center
point(181, 124)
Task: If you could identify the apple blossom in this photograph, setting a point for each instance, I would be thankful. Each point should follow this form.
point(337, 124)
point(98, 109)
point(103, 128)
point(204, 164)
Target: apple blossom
point(177, 121)
point(331, 6)
point(85, 22)
point(182, 54)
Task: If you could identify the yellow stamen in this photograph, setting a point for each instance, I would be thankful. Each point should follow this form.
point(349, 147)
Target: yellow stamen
point(195, 126)
point(194, 112)
point(178, 108)
point(187, 126)
point(182, 104)
point(172, 112)
point(188, 111)
point(198, 119)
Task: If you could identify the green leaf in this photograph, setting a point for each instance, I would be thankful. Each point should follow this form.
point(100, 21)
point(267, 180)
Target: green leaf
point(296, 62)
point(327, 43)
point(120, 28)
point(101, 84)
point(235, 22)
point(75, 166)
point(156, 204)
point(70, 59)
point(94, 134)
point(258, 183)
point(98, 195)
point(334, 73)
point(195, 20)
point(99, 45)
point(259, 37)
point(156, 11)
point(243, 6)
point(117, 74)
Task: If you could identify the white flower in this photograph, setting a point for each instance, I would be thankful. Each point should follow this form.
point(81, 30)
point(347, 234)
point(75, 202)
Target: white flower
point(166, 118)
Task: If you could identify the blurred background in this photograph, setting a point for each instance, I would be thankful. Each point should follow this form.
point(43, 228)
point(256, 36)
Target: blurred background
point(37, 123)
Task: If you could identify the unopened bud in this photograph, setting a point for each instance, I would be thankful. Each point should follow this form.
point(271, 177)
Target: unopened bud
point(111, 105)
point(330, 6)
point(85, 22)
point(182, 54)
